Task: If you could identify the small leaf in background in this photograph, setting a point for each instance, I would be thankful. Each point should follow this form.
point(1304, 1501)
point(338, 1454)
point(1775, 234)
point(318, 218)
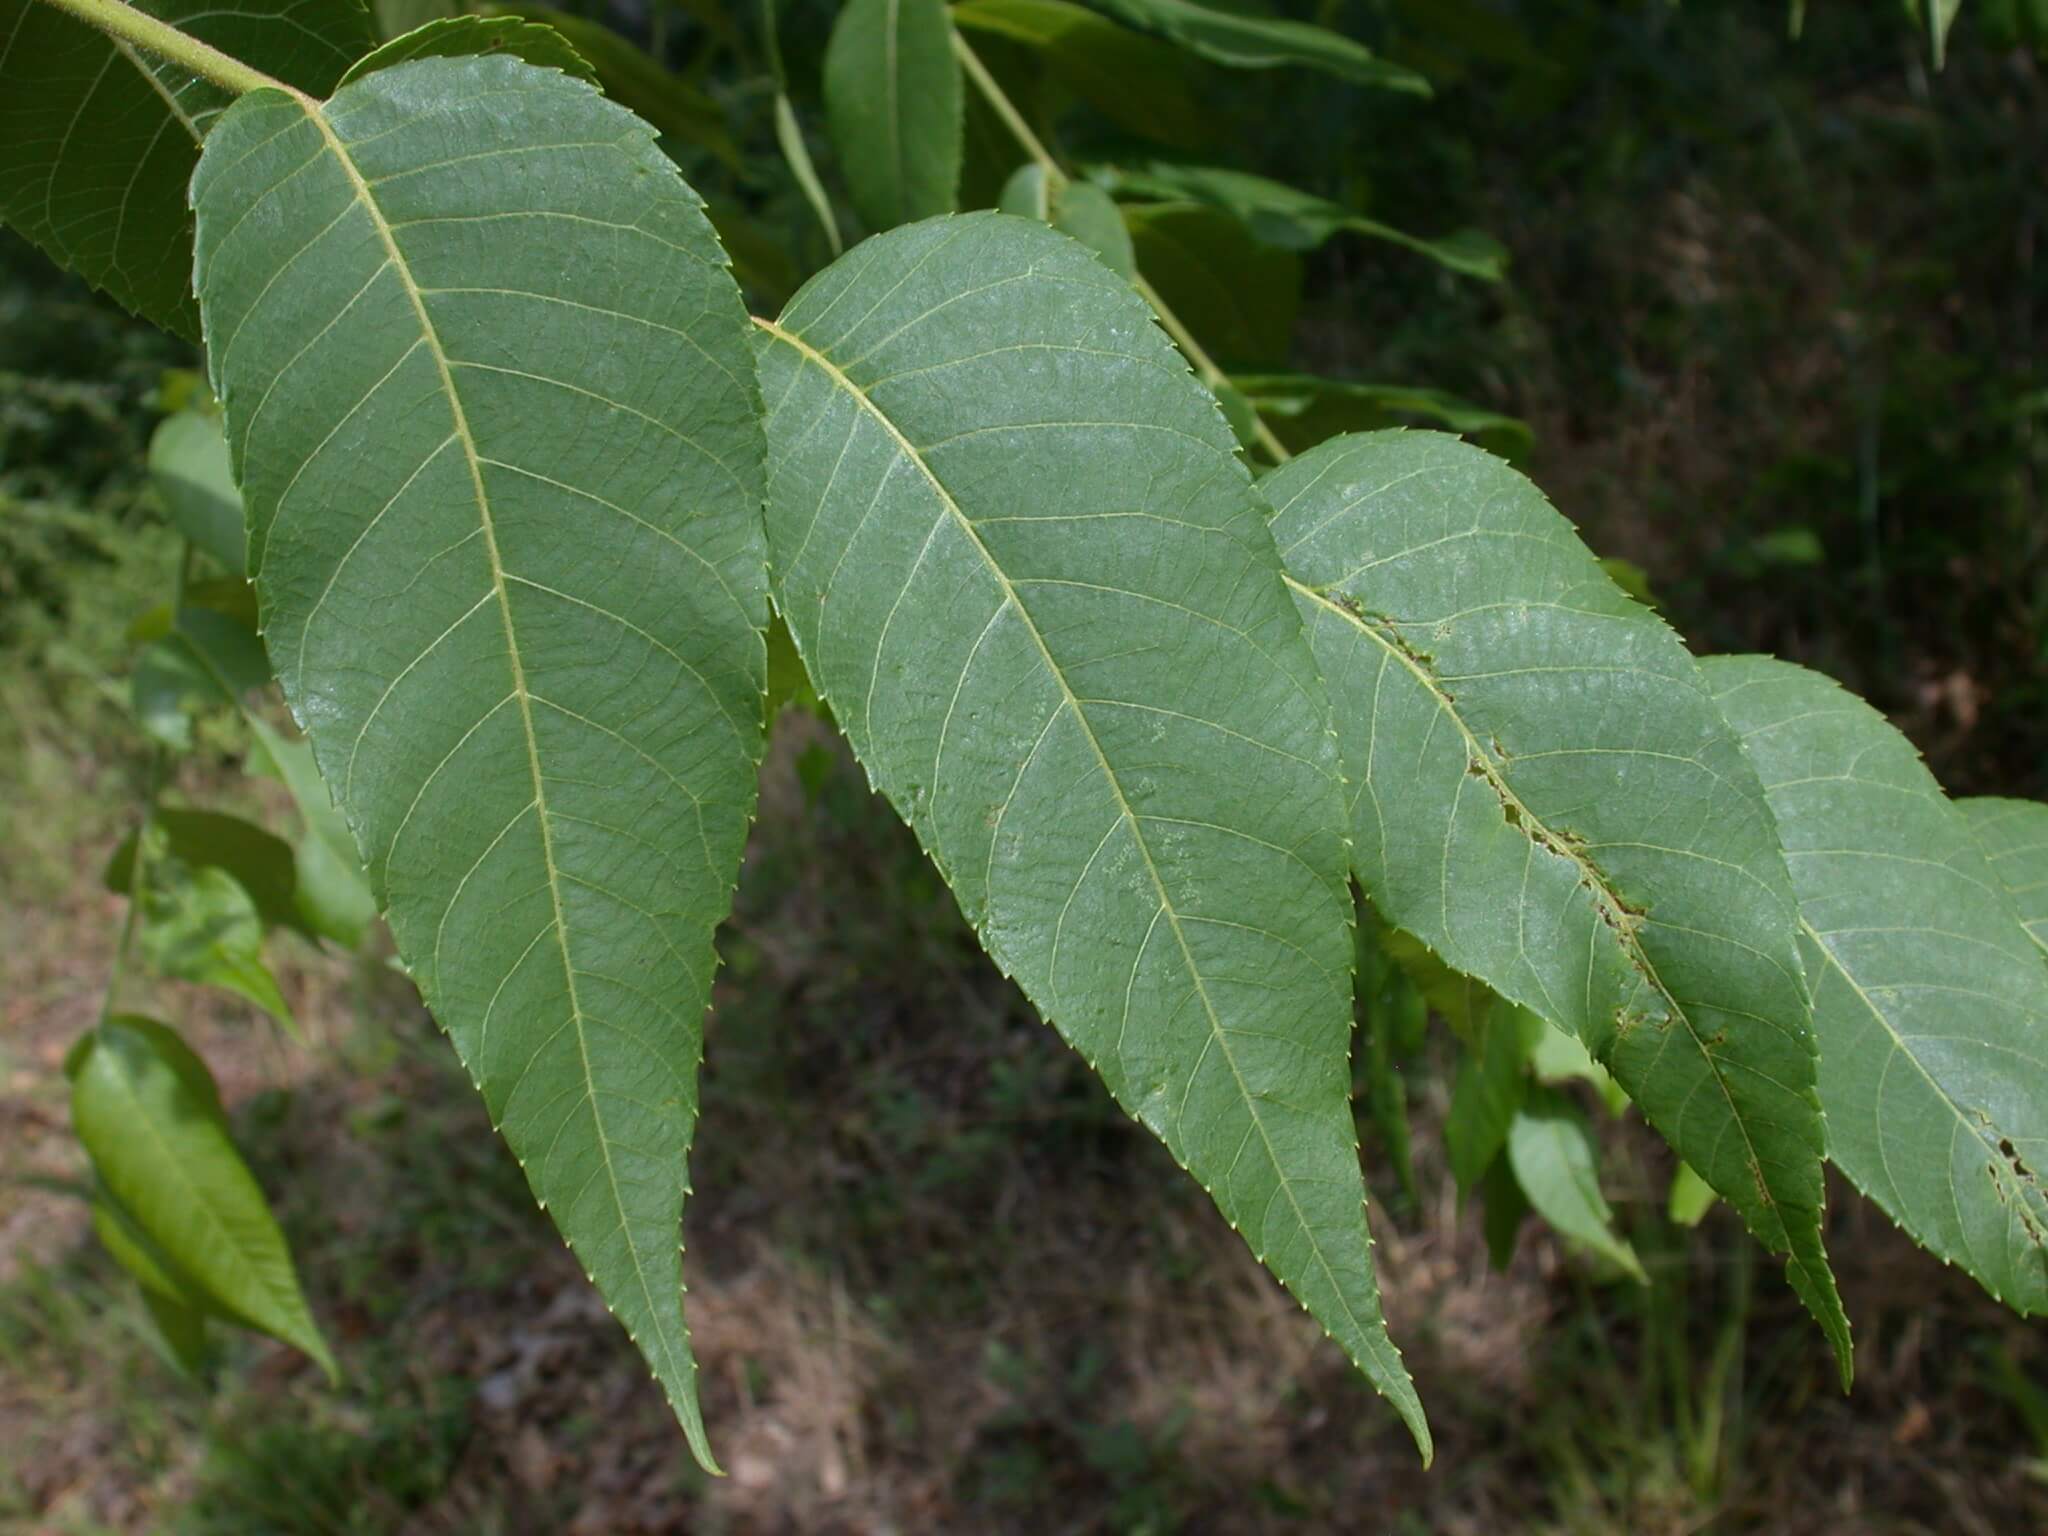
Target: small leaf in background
point(1930, 999)
point(1557, 1164)
point(1689, 1198)
point(111, 206)
point(1505, 1209)
point(1463, 1002)
point(149, 1116)
point(260, 863)
point(1488, 1089)
point(198, 924)
point(1304, 410)
point(789, 685)
point(1239, 297)
point(1631, 578)
point(459, 36)
point(789, 137)
point(208, 661)
point(188, 465)
point(2014, 837)
point(1394, 1017)
point(1558, 1057)
point(1142, 85)
point(1074, 208)
point(1240, 41)
point(1292, 220)
point(893, 103)
point(330, 891)
point(1940, 16)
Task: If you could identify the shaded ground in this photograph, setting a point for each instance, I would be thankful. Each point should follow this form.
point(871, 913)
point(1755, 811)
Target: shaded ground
point(938, 1284)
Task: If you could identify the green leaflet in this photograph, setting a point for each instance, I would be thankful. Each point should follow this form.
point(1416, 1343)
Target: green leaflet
point(459, 36)
point(2014, 837)
point(1557, 1164)
point(148, 1114)
point(1545, 794)
point(1073, 208)
point(188, 466)
point(1292, 220)
point(98, 139)
point(893, 104)
point(1027, 571)
point(1239, 297)
point(1243, 41)
point(1141, 85)
point(1930, 1001)
point(499, 441)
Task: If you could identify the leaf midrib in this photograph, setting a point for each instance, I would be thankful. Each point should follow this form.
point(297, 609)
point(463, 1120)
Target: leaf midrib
point(367, 200)
point(1073, 704)
point(1616, 916)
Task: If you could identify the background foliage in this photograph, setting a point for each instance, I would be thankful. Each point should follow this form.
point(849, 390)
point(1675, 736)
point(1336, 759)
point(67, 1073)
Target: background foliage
point(1801, 401)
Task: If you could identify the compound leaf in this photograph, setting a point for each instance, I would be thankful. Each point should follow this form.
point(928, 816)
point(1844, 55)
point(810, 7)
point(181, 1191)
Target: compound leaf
point(496, 428)
point(2013, 835)
point(893, 105)
point(1029, 575)
point(1546, 795)
point(1930, 1000)
point(148, 1114)
point(98, 138)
